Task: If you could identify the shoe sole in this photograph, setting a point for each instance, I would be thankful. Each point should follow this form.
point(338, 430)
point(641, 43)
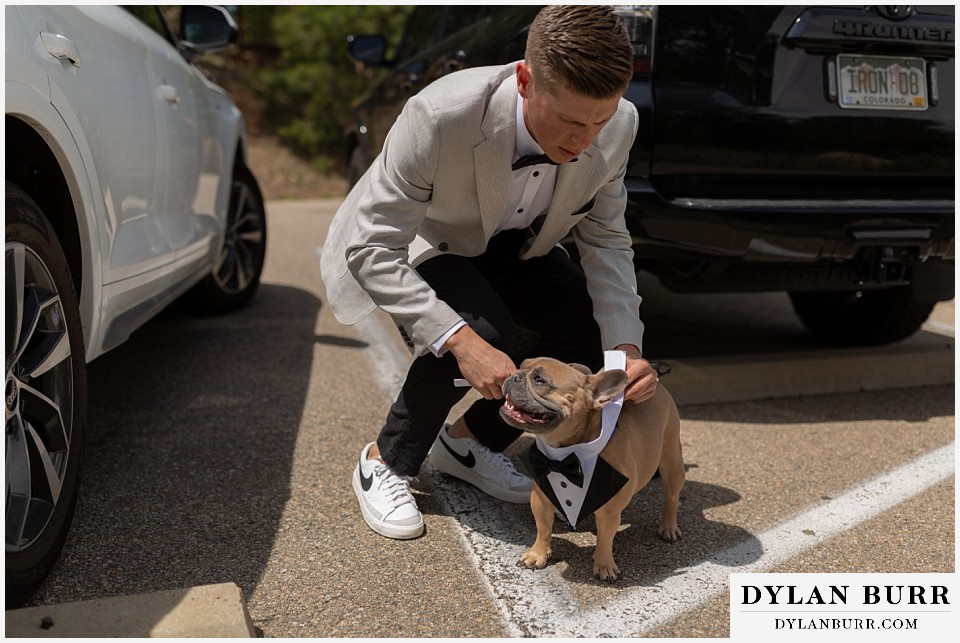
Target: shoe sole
point(383, 528)
point(456, 470)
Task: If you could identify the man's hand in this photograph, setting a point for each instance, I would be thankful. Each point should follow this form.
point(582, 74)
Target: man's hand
point(482, 365)
point(640, 375)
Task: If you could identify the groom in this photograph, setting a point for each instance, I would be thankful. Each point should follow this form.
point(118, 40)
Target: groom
point(454, 232)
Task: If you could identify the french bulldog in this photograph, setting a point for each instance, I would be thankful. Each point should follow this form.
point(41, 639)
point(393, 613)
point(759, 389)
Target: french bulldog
point(562, 404)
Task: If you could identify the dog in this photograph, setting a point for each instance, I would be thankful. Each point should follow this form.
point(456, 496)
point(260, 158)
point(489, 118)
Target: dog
point(561, 404)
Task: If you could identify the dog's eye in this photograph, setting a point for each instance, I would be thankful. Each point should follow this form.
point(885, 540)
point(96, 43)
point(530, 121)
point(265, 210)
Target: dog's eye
point(539, 379)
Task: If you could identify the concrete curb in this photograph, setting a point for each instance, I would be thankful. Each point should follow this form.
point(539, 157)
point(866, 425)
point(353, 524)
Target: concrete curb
point(216, 611)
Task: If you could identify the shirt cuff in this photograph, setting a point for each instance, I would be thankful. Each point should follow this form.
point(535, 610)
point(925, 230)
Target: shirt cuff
point(437, 347)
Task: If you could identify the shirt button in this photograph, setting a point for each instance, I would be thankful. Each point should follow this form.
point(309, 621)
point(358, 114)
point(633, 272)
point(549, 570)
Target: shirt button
point(520, 211)
point(569, 504)
point(443, 246)
point(563, 484)
point(536, 174)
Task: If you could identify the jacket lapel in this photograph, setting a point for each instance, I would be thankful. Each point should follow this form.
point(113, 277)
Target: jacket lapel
point(492, 158)
point(568, 195)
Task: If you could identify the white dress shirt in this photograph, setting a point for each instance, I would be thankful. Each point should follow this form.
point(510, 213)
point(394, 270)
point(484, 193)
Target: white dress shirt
point(531, 187)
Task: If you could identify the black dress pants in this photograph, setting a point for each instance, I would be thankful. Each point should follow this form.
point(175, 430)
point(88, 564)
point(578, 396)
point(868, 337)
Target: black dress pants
point(532, 308)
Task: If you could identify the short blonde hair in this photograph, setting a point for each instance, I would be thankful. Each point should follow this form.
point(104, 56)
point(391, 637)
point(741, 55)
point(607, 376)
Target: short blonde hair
point(585, 48)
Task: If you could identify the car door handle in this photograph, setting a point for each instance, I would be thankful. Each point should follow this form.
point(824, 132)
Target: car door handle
point(61, 47)
point(169, 93)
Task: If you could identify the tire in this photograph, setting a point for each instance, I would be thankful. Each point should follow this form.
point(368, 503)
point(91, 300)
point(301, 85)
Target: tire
point(867, 318)
point(45, 396)
point(236, 275)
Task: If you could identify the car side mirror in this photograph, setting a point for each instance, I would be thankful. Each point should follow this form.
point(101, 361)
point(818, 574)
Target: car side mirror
point(369, 50)
point(206, 28)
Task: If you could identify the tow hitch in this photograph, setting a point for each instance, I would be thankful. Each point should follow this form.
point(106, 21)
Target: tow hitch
point(885, 265)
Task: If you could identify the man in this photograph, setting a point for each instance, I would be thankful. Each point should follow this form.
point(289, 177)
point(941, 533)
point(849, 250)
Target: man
point(457, 241)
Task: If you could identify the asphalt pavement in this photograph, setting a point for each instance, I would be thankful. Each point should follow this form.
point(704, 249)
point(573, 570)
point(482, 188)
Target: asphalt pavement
point(220, 451)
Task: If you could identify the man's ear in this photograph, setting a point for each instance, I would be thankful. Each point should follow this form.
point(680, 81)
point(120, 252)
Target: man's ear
point(607, 385)
point(524, 78)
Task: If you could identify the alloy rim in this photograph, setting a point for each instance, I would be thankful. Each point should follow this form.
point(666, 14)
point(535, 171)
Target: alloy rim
point(38, 396)
point(243, 242)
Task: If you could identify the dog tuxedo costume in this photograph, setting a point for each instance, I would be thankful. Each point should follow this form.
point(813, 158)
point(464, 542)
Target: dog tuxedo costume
point(575, 479)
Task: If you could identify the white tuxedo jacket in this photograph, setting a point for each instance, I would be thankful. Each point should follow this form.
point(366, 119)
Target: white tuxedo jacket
point(440, 186)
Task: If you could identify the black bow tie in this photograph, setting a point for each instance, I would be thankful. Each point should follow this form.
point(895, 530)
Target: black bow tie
point(532, 159)
point(568, 467)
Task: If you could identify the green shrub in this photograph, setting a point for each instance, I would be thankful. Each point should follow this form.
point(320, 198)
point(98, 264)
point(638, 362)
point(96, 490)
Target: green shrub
point(309, 88)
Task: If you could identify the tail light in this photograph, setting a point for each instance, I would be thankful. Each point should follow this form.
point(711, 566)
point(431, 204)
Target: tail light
point(638, 20)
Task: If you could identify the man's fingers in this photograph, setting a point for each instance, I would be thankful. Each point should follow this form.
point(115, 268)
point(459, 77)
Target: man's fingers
point(643, 388)
point(491, 393)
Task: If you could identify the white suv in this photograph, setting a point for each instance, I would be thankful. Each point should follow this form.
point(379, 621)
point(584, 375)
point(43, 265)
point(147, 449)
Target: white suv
point(126, 188)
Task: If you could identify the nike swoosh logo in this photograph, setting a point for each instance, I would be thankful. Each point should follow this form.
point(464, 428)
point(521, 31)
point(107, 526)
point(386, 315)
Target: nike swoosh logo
point(466, 460)
point(365, 481)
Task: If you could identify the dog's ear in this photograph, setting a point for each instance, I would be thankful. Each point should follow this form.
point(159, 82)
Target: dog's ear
point(606, 385)
point(580, 367)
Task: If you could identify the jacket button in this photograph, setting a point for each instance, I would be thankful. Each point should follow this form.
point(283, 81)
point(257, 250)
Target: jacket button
point(443, 246)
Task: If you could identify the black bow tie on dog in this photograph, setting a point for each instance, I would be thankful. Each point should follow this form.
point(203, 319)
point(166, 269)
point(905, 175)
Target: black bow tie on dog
point(569, 467)
point(532, 159)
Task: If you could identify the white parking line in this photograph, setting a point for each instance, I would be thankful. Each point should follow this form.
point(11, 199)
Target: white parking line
point(542, 603)
point(695, 585)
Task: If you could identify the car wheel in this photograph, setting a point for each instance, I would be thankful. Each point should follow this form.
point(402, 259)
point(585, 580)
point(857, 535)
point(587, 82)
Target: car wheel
point(45, 395)
point(865, 318)
point(236, 274)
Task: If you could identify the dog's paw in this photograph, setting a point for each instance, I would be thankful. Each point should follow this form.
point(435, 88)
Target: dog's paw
point(533, 559)
point(669, 532)
point(606, 570)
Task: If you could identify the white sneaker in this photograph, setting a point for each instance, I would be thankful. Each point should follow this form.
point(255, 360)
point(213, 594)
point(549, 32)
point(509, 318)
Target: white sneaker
point(386, 502)
point(472, 462)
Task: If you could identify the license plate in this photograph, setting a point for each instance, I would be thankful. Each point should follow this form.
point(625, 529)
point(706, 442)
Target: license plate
point(881, 82)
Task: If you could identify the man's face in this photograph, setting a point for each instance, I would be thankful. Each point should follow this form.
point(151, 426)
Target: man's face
point(563, 122)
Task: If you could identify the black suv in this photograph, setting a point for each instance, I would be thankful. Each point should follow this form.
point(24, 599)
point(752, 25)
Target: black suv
point(799, 149)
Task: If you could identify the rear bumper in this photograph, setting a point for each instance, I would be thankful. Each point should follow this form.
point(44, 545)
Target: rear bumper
point(785, 231)
point(737, 245)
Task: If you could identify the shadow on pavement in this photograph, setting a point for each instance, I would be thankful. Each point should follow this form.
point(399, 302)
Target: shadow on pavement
point(192, 427)
point(691, 325)
point(909, 405)
point(644, 559)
